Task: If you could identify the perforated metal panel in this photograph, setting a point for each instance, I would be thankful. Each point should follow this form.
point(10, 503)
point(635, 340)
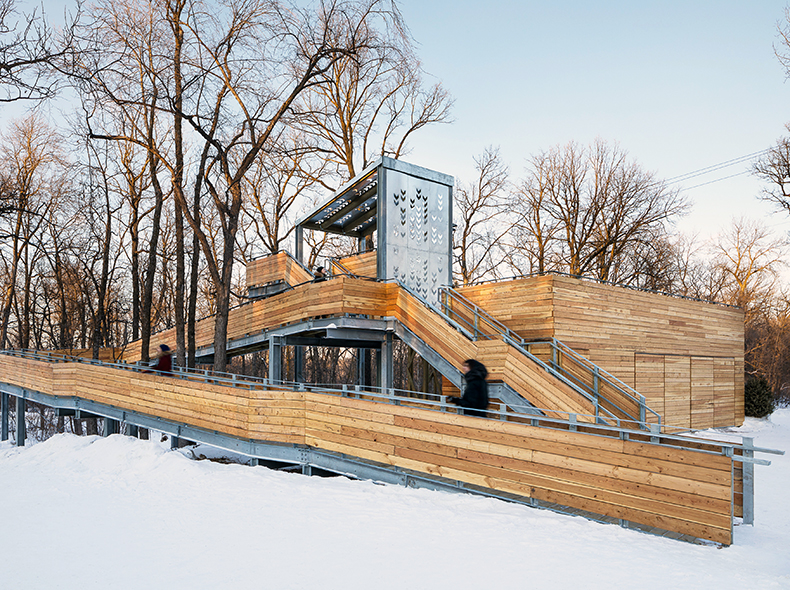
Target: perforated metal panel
point(415, 243)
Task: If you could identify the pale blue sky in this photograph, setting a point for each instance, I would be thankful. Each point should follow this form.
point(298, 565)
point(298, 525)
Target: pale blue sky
point(680, 85)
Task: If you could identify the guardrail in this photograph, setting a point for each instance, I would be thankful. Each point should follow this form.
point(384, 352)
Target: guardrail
point(623, 429)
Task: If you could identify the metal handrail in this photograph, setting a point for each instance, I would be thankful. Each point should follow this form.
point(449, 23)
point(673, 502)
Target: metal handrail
point(520, 343)
point(343, 270)
point(656, 433)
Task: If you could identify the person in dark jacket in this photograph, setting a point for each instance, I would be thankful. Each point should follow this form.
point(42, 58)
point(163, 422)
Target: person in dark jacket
point(164, 360)
point(320, 275)
point(476, 391)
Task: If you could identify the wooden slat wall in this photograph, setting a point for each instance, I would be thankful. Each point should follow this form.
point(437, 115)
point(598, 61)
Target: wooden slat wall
point(276, 267)
point(616, 325)
point(525, 305)
point(677, 391)
point(363, 265)
point(650, 381)
point(701, 392)
point(723, 380)
point(674, 489)
point(677, 489)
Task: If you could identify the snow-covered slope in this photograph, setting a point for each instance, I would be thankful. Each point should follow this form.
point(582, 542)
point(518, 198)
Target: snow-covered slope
point(88, 512)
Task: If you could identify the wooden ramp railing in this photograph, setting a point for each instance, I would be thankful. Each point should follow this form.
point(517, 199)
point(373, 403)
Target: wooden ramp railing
point(672, 484)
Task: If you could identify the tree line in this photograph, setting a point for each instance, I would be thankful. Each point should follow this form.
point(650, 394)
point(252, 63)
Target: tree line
point(200, 130)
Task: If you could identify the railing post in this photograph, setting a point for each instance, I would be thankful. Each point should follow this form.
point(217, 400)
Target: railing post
point(572, 420)
point(596, 378)
point(748, 481)
point(642, 410)
point(655, 429)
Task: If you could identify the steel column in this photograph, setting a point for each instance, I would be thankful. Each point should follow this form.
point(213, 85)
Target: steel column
point(3, 416)
point(21, 406)
point(110, 427)
point(299, 243)
point(275, 358)
point(299, 364)
point(386, 366)
point(748, 481)
point(132, 430)
point(361, 367)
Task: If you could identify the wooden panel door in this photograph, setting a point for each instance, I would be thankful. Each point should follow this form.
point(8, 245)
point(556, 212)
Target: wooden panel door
point(701, 392)
point(677, 391)
point(649, 380)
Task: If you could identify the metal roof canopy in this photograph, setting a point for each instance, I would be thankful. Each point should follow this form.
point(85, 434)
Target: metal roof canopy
point(353, 209)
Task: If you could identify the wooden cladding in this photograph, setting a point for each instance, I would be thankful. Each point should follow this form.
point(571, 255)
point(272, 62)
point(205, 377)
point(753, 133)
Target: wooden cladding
point(686, 490)
point(362, 265)
point(277, 267)
point(684, 356)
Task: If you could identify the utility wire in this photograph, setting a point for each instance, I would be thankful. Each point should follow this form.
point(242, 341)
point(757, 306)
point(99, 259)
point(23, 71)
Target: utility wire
point(717, 180)
point(715, 168)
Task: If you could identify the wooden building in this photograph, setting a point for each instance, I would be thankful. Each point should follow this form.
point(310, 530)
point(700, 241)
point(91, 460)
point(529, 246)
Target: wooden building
point(685, 356)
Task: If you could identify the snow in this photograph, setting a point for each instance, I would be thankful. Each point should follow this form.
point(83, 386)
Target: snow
point(91, 512)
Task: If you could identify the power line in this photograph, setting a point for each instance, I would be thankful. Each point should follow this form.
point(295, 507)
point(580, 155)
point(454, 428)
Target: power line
point(716, 180)
point(715, 168)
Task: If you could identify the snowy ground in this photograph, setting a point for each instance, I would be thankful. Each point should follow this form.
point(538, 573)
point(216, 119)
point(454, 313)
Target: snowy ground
point(88, 512)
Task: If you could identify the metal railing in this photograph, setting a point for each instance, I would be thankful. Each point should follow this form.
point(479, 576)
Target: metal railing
point(479, 324)
point(583, 423)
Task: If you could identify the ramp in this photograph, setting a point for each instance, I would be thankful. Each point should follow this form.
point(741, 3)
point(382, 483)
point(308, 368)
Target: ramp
point(666, 484)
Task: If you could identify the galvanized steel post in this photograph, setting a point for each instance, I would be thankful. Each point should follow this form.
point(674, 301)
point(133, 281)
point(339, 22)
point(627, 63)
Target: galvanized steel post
point(21, 406)
point(275, 358)
point(748, 481)
point(386, 372)
point(3, 416)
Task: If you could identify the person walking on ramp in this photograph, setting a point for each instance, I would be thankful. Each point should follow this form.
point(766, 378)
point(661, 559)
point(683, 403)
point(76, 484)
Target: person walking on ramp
point(476, 391)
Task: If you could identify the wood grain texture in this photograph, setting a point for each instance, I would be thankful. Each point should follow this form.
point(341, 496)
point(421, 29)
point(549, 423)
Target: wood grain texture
point(620, 328)
point(362, 265)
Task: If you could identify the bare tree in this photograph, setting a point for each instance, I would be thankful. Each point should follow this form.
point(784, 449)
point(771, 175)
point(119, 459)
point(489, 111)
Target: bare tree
point(480, 210)
point(750, 258)
point(592, 211)
point(371, 102)
point(774, 168)
point(33, 168)
point(30, 52)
